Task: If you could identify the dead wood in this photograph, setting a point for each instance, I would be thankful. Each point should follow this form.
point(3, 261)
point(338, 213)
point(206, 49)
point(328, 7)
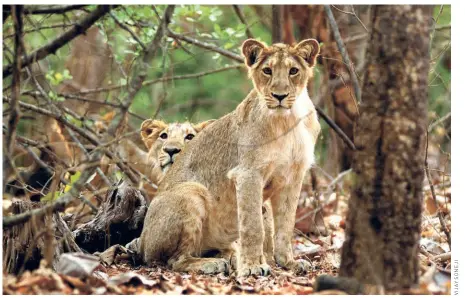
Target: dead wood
point(25, 245)
point(118, 221)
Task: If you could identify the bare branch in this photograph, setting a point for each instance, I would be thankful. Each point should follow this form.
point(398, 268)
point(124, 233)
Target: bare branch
point(60, 41)
point(88, 157)
point(344, 54)
point(336, 128)
point(206, 46)
point(150, 82)
point(433, 193)
point(140, 72)
point(440, 120)
point(434, 27)
point(55, 26)
point(241, 17)
point(442, 27)
point(36, 9)
point(122, 25)
point(91, 138)
point(61, 203)
point(14, 107)
point(352, 13)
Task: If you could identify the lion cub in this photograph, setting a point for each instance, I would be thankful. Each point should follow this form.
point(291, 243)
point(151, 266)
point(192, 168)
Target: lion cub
point(164, 141)
point(213, 195)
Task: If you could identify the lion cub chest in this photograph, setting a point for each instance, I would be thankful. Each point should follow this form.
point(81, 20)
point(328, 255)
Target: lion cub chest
point(296, 144)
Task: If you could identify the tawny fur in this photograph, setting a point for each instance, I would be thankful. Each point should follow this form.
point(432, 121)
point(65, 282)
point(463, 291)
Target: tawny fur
point(154, 162)
point(213, 195)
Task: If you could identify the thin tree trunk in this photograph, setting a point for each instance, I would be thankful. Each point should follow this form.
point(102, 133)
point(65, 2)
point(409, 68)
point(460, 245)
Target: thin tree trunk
point(276, 30)
point(383, 224)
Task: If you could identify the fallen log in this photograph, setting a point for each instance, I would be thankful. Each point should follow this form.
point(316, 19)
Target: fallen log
point(119, 219)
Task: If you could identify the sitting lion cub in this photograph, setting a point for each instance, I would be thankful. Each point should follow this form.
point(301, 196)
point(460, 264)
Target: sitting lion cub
point(213, 194)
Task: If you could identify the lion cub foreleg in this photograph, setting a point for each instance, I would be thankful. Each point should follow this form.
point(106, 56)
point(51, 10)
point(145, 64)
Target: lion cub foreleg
point(249, 195)
point(284, 206)
point(268, 244)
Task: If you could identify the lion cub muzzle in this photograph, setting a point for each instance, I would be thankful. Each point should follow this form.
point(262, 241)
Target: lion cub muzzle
point(169, 154)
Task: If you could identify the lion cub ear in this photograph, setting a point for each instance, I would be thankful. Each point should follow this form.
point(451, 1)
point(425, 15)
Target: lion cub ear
point(309, 50)
point(200, 126)
point(148, 127)
point(251, 49)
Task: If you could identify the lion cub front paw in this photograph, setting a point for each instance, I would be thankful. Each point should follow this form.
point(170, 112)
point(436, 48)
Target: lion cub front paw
point(300, 267)
point(214, 267)
point(259, 270)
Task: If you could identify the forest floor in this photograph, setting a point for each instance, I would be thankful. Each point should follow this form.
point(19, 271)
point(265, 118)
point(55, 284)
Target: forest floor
point(89, 275)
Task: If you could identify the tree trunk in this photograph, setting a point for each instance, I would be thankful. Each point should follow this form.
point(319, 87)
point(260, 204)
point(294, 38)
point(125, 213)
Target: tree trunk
point(383, 224)
point(276, 30)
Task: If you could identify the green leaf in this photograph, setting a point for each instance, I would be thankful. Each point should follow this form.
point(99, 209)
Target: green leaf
point(230, 31)
point(72, 180)
point(217, 29)
point(228, 45)
point(50, 196)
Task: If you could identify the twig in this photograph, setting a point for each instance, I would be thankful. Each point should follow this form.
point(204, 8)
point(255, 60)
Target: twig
point(140, 72)
point(60, 41)
point(122, 25)
point(352, 13)
point(149, 82)
point(206, 46)
point(15, 113)
point(433, 193)
point(42, 28)
point(434, 27)
point(344, 54)
point(336, 128)
point(50, 171)
point(58, 205)
point(36, 9)
point(80, 131)
point(16, 82)
point(442, 27)
point(443, 257)
point(83, 149)
point(440, 120)
point(241, 17)
point(77, 97)
point(337, 179)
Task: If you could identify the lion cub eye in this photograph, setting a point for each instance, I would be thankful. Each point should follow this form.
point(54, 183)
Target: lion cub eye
point(189, 137)
point(293, 71)
point(163, 135)
point(267, 71)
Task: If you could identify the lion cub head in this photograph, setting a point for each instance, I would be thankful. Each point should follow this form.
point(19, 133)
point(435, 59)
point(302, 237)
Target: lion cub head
point(165, 141)
point(280, 72)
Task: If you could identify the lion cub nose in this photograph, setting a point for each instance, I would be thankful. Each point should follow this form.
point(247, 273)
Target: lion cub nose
point(171, 150)
point(279, 97)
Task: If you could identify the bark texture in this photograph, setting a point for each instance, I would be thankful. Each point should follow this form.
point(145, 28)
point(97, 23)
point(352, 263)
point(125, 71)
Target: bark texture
point(119, 220)
point(25, 245)
point(383, 224)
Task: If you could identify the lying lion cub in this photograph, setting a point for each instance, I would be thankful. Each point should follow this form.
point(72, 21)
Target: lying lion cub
point(213, 194)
